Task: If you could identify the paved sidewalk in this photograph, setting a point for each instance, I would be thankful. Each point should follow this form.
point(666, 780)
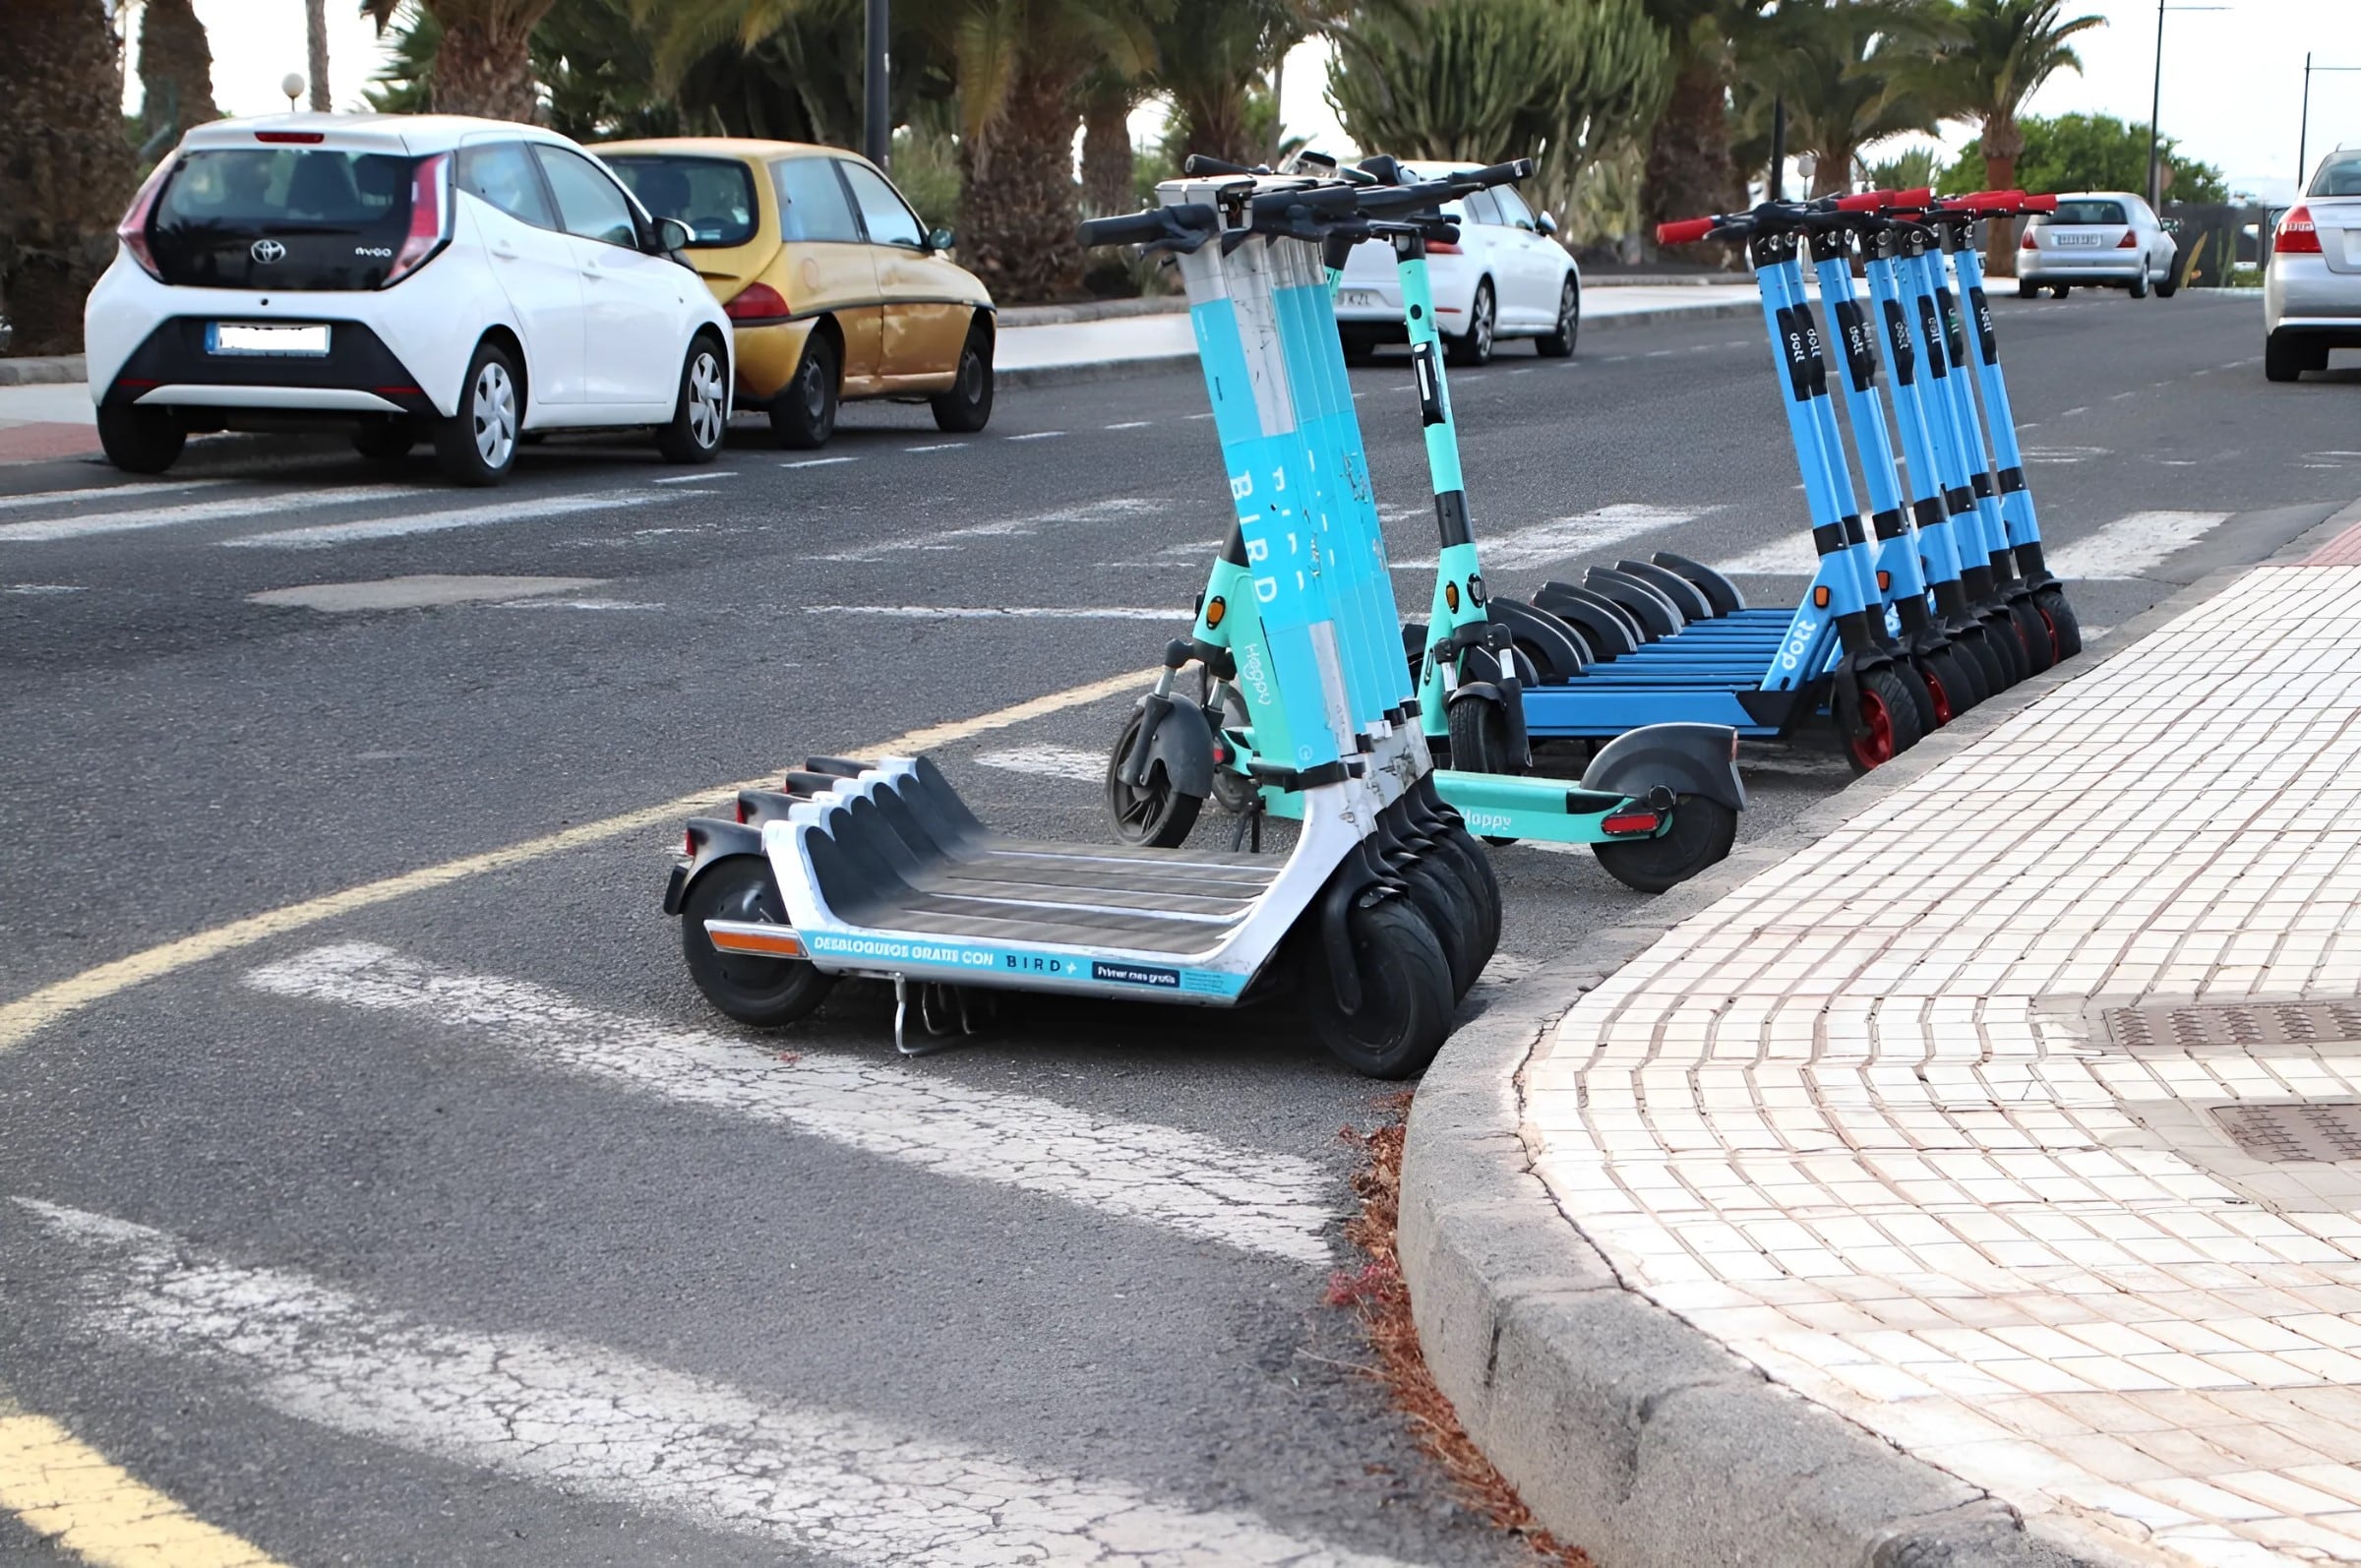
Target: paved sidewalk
point(2019, 1121)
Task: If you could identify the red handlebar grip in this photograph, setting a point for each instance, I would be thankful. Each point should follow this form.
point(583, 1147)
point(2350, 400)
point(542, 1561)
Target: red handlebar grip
point(1866, 201)
point(1683, 231)
point(2041, 203)
point(1918, 197)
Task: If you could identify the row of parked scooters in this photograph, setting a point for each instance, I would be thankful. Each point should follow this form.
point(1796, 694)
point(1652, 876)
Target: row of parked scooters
point(1385, 910)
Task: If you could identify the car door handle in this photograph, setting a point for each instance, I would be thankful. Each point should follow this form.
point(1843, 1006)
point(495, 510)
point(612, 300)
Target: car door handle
point(505, 250)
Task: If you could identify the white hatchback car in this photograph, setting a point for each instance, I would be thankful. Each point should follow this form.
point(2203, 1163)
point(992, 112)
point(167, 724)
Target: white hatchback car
point(2312, 285)
point(1506, 277)
point(466, 281)
point(2106, 239)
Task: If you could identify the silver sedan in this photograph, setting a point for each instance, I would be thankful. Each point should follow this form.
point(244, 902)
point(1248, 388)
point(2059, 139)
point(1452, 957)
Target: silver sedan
point(2312, 288)
point(2103, 239)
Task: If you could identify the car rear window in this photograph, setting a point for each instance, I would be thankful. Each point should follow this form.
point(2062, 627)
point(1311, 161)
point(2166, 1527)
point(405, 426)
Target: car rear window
point(2090, 212)
point(2338, 176)
point(715, 197)
point(287, 217)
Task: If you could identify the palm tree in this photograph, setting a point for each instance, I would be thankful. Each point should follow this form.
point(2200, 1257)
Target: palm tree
point(315, 39)
point(1209, 57)
point(1851, 71)
point(66, 170)
point(176, 74)
point(1690, 168)
point(1999, 53)
point(484, 64)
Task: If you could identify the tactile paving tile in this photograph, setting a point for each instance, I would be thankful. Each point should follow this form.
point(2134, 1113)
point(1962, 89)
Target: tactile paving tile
point(2234, 1026)
point(2294, 1131)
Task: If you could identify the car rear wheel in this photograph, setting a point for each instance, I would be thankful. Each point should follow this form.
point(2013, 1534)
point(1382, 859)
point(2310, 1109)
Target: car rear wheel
point(1474, 346)
point(2059, 290)
point(1559, 343)
point(1360, 347)
point(702, 417)
point(140, 441)
point(804, 415)
point(2283, 359)
point(384, 438)
point(2140, 286)
point(967, 407)
point(2027, 289)
point(477, 446)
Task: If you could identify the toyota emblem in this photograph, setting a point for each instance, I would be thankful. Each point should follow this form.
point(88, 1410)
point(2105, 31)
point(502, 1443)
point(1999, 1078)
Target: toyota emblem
point(267, 251)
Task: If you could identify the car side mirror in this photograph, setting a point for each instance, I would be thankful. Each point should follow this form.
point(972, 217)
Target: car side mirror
point(674, 235)
point(943, 239)
point(1546, 223)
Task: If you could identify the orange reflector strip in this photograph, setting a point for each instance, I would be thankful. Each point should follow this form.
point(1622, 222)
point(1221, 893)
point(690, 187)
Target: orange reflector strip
point(1884, 580)
point(769, 943)
point(1819, 598)
point(1630, 822)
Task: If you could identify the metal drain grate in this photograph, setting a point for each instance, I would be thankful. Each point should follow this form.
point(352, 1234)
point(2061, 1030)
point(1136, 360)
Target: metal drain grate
point(2290, 1131)
point(2239, 1026)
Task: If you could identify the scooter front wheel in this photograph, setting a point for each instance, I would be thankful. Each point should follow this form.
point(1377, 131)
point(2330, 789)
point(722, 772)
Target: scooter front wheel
point(1480, 743)
point(2065, 629)
point(1234, 793)
point(1405, 1012)
point(1701, 835)
point(1887, 724)
point(2033, 632)
point(1152, 813)
point(762, 992)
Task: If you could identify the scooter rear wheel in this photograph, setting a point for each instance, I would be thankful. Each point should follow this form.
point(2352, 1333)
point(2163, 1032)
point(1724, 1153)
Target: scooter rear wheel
point(1457, 848)
point(1443, 899)
point(1405, 1012)
point(2033, 632)
point(2005, 644)
point(1701, 834)
point(1888, 721)
point(2065, 629)
point(1946, 687)
point(762, 992)
point(1922, 698)
point(1153, 814)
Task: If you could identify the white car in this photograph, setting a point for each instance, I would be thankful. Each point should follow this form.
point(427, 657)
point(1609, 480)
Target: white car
point(2312, 285)
point(2104, 239)
point(416, 277)
point(1506, 277)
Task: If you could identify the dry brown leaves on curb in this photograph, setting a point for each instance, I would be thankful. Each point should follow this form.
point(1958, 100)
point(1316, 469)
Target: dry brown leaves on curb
point(1377, 1292)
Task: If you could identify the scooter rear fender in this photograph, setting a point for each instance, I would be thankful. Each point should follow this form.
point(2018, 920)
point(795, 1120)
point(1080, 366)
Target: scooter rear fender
point(716, 838)
point(1685, 758)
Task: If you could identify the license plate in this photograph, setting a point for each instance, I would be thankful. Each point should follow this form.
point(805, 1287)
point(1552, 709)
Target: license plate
point(254, 338)
point(2073, 239)
point(1360, 299)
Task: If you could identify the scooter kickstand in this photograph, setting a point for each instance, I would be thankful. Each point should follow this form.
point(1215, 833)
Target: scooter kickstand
point(943, 1037)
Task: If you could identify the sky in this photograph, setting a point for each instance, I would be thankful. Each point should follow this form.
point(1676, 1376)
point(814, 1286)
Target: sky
point(2232, 78)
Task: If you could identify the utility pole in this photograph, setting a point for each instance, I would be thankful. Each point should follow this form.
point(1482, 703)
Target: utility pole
point(2155, 96)
point(1777, 190)
point(2303, 134)
point(877, 114)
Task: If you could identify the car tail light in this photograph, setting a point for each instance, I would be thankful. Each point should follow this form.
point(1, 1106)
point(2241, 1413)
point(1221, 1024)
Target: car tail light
point(1441, 248)
point(430, 218)
point(2129, 242)
point(304, 138)
point(757, 305)
point(133, 231)
point(2027, 244)
point(2299, 235)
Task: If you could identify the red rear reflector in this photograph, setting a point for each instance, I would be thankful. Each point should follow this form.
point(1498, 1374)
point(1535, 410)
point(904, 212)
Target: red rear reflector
point(1819, 598)
point(1630, 822)
point(689, 842)
point(757, 305)
point(398, 391)
point(741, 810)
point(135, 380)
point(2299, 235)
point(303, 138)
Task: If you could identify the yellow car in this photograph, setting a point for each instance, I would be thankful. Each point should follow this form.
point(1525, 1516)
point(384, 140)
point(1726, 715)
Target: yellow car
point(834, 288)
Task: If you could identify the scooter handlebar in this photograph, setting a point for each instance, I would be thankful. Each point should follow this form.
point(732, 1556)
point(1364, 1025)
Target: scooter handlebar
point(1884, 201)
point(2039, 204)
point(1199, 164)
point(1685, 230)
point(1188, 226)
point(1508, 173)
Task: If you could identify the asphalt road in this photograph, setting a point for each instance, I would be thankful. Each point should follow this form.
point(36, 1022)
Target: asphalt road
point(458, 1230)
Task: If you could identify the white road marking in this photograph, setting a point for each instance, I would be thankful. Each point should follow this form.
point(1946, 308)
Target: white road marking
point(2131, 545)
point(695, 478)
point(74, 497)
point(2071, 412)
point(1584, 531)
point(51, 528)
point(1002, 612)
point(1201, 416)
point(1010, 528)
point(589, 1420)
point(582, 604)
point(42, 587)
point(1129, 424)
point(1274, 1204)
point(414, 592)
point(816, 462)
point(1038, 435)
point(2065, 454)
point(1523, 370)
point(1790, 556)
point(940, 446)
point(1049, 761)
point(326, 536)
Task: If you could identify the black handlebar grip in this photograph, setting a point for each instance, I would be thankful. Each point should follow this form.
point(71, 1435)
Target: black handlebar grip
point(1199, 164)
point(1320, 200)
point(1187, 225)
point(1385, 166)
point(1501, 173)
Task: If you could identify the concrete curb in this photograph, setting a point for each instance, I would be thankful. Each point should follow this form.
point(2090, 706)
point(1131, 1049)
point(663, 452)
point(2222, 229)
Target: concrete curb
point(1626, 1431)
point(33, 370)
point(1097, 310)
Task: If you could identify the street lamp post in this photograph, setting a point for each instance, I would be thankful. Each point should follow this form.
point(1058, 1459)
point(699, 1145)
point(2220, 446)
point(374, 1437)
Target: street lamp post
point(877, 114)
point(2155, 96)
point(2303, 130)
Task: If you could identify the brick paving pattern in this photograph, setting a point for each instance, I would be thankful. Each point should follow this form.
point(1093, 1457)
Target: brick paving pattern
point(1975, 1123)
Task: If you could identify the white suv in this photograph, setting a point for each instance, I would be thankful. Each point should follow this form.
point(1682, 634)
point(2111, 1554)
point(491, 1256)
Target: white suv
point(1505, 277)
point(463, 281)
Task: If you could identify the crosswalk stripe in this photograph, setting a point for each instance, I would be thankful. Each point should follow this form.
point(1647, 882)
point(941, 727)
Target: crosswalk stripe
point(588, 1419)
point(1561, 537)
point(320, 536)
point(1002, 612)
point(71, 498)
point(1114, 507)
point(1049, 761)
point(46, 529)
point(1269, 1203)
point(1789, 554)
point(2132, 545)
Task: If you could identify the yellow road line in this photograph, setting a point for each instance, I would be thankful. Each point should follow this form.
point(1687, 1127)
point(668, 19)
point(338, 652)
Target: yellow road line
point(70, 1495)
point(22, 1018)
